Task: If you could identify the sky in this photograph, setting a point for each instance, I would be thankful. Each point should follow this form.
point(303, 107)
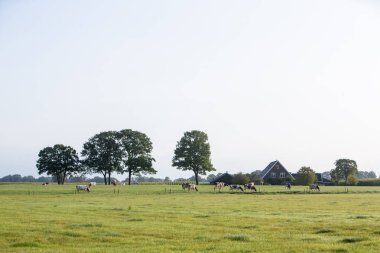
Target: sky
point(295, 81)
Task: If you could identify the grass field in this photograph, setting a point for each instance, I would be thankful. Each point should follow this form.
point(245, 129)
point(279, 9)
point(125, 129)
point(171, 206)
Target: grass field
point(163, 218)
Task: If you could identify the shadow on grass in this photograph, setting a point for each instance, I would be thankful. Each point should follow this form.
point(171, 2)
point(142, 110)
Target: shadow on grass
point(353, 239)
point(238, 237)
point(86, 225)
point(25, 244)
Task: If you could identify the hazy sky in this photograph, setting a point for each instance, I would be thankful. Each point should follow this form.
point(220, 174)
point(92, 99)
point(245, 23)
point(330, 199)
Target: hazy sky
point(297, 81)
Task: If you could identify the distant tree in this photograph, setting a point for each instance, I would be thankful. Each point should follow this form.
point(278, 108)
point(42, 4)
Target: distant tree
point(167, 180)
point(371, 174)
point(44, 179)
point(335, 175)
point(102, 154)
point(345, 168)
point(12, 178)
point(305, 176)
point(59, 161)
point(211, 177)
point(366, 174)
point(193, 153)
point(136, 150)
point(255, 176)
point(351, 180)
point(96, 179)
point(326, 174)
point(77, 179)
point(240, 178)
point(28, 179)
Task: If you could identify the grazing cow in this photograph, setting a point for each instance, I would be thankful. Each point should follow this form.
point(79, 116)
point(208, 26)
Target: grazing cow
point(45, 184)
point(288, 186)
point(236, 187)
point(314, 187)
point(114, 182)
point(83, 188)
point(250, 186)
point(92, 184)
point(189, 187)
point(185, 186)
point(220, 185)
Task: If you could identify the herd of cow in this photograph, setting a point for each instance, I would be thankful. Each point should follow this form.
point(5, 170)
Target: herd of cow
point(238, 187)
point(193, 187)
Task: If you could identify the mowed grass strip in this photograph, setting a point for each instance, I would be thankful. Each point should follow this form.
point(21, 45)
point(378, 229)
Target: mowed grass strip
point(152, 218)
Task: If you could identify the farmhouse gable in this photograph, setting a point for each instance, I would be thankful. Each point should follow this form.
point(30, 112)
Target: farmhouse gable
point(275, 170)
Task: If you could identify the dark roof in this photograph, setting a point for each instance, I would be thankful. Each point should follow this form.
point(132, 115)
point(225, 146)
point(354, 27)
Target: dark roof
point(220, 176)
point(267, 169)
point(270, 166)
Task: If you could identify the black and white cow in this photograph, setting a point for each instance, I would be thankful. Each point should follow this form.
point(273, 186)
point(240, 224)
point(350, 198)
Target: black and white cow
point(236, 187)
point(189, 187)
point(314, 187)
point(250, 186)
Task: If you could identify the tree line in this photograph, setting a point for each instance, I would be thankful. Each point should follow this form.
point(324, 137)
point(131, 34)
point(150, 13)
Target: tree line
point(125, 151)
point(128, 151)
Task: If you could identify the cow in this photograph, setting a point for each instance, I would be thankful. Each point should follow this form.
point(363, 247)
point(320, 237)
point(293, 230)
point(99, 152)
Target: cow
point(82, 188)
point(92, 184)
point(189, 187)
point(220, 185)
point(236, 187)
point(114, 182)
point(288, 186)
point(45, 184)
point(250, 186)
point(314, 187)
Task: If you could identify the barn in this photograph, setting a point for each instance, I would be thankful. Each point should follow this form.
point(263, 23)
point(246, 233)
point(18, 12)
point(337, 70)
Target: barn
point(225, 177)
point(275, 173)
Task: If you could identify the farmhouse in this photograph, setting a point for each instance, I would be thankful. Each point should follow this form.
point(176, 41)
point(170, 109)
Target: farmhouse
point(322, 180)
point(275, 173)
point(225, 177)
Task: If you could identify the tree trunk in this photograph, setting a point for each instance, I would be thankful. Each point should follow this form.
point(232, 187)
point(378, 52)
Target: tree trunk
point(105, 178)
point(196, 177)
point(109, 177)
point(129, 177)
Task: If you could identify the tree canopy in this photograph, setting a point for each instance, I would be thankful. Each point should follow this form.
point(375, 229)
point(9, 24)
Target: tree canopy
point(58, 161)
point(343, 169)
point(193, 153)
point(102, 154)
point(305, 176)
point(136, 149)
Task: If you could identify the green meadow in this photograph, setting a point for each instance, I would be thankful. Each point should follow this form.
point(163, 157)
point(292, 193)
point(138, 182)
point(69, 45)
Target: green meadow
point(163, 218)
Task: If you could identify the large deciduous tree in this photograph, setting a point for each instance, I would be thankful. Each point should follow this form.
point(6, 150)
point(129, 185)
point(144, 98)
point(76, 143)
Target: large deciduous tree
point(59, 161)
point(102, 154)
point(193, 153)
point(136, 150)
point(305, 176)
point(345, 168)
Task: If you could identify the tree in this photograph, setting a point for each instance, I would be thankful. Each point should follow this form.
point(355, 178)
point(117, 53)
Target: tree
point(335, 176)
point(59, 161)
point(351, 180)
point(193, 153)
point(366, 174)
point(240, 178)
point(255, 176)
point(102, 154)
point(136, 151)
point(345, 168)
point(210, 177)
point(305, 176)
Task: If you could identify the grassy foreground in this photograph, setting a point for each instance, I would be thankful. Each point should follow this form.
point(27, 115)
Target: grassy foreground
point(162, 218)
